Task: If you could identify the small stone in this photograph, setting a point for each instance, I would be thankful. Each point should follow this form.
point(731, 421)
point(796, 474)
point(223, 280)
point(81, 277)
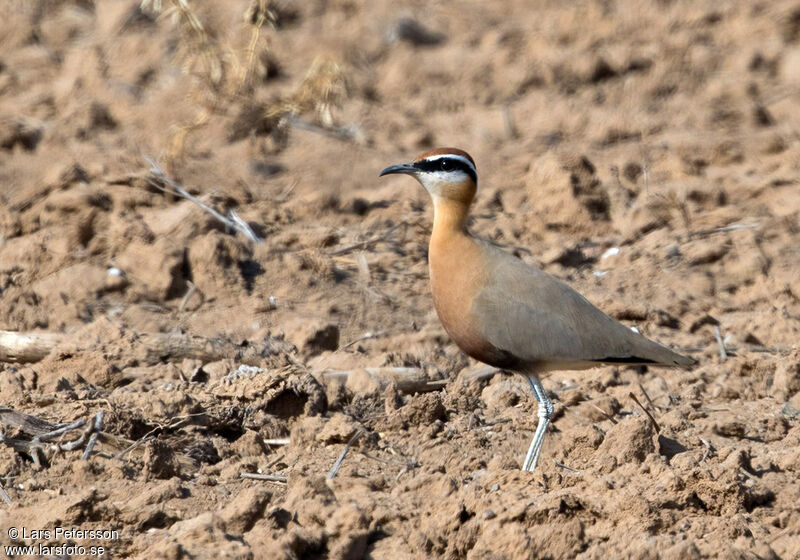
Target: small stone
point(730, 428)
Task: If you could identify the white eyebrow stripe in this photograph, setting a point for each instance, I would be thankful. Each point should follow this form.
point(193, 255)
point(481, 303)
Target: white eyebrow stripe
point(454, 156)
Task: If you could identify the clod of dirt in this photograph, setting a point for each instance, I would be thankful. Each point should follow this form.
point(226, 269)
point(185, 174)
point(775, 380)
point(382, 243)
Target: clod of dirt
point(156, 270)
point(563, 539)
point(338, 429)
point(310, 499)
point(601, 71)
point(20, 132)
point(160, 492)
point(195, 536)
point(160, 461)
point(87, 367)
point(413, 32)
point(792, 407)
point(608, 408)
point(586, 186)
point(347, 532)
point(313, 337)
point(503, 392)
point(73, 510)
point(629, 441)
point(684, 550)
point(787, 376)
point(281, 393)
point(214, 262)
point(664, 319)
point(651, 214)
point(704, 252)
point(422, 410)
point(249, 444)
point(10, 460)
point(701, 322)
point(730, 428)
point(572, 257)
point(581, 444)
point(567, 191)
point(245, 509)
point(146, 510)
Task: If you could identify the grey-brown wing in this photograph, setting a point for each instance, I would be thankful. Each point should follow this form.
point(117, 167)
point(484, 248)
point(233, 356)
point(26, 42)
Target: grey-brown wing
point(544, 322)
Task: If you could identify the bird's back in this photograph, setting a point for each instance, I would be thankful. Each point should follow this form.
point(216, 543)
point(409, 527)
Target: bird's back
point(545, 325)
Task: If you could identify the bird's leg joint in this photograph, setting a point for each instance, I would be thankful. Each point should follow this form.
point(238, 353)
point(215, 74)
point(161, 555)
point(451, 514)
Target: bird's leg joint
point(546, 409)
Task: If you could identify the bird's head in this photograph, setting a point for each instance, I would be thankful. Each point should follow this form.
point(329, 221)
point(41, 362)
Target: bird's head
point(446, 173)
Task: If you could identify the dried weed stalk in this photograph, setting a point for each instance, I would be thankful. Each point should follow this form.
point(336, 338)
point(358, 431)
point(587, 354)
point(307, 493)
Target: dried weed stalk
point(225, 76)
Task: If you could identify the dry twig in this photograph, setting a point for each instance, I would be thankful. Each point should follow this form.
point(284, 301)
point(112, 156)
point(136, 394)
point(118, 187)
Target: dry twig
point(650, 416)
point(365, 244)
point(563, 466)
point(265, 477)
point(153, 347)
point(233, 222)
point(275, 442)
point(604, 413)
point(366, 336)
point(5, 496)
point(723, 354)
point(97, 426)
point(709, 449)
point(339, 461)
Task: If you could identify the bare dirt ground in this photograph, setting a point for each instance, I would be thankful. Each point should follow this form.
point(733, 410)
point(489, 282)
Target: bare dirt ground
point(647, 152)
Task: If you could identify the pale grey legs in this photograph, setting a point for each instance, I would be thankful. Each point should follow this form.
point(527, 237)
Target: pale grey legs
point(545, 414)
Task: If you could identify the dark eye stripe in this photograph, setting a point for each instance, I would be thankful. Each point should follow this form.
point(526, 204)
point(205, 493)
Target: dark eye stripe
point(456, 164)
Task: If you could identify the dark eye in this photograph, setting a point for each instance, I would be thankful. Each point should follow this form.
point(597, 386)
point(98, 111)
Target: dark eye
point(445, 165)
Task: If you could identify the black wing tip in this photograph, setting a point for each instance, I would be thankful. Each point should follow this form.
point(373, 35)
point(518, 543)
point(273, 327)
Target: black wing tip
point(686, 362)
point(680, 361)
point(625, 360)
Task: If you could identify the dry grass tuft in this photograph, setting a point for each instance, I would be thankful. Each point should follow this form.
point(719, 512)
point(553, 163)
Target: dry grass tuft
point(227, 78)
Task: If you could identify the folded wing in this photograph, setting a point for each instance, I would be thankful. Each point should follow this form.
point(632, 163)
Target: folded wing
point(547, 325)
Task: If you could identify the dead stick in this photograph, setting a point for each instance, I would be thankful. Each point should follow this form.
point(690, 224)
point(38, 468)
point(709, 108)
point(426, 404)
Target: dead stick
point(235, 223)
point(604, 413)
point(709, 449)
point(97, 426)
point(280, 441)
point(364, 244)
point(563, 466)
point(650, 416)
point(60, 431)
point(267, 477)
point(723, 354)
point(647, 397)
point(365, 336)
point(5, 496)
point(347, 447)
point(30, 424)
point(26, 347)
point(151, 348)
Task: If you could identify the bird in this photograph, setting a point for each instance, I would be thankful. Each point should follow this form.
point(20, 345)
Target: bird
point(504, 312)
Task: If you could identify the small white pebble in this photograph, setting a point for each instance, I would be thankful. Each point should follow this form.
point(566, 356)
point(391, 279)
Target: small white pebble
point(600, 273)
point(114, 271)
point(634, 329)
point(494, 488)
point(729, 339)
point(613, 251)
